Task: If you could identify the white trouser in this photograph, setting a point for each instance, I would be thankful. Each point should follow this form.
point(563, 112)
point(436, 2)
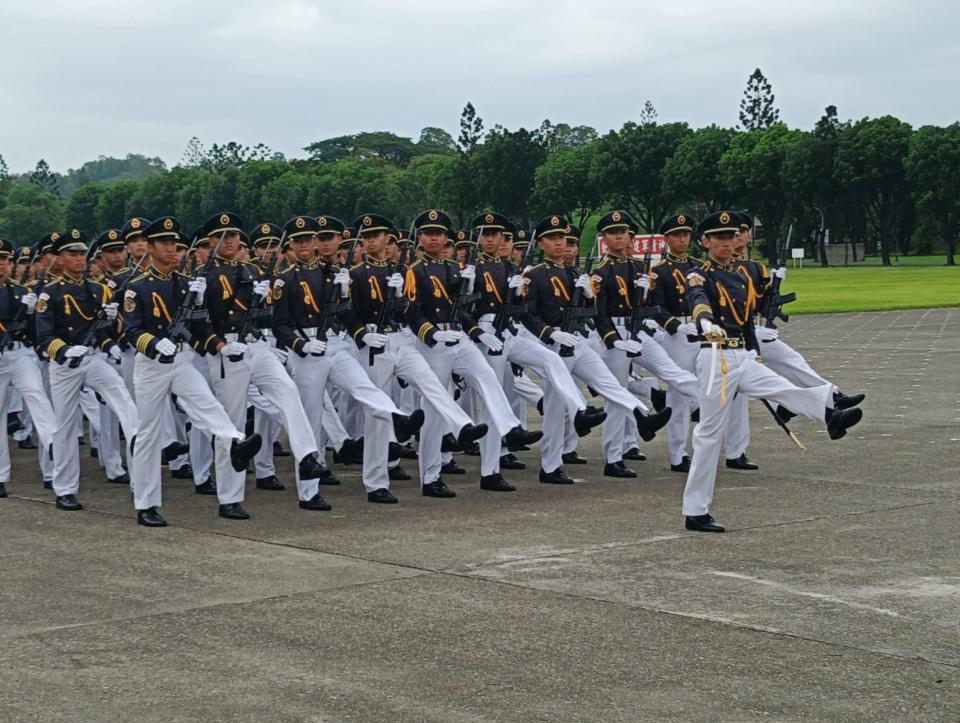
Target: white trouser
point(43, 455)
point(90, 408)
point(266, 423)
point(465, 360)
point(20, 372)
point(736, 432)
point(751, 379)
point(334, 433)
point(530, 354)
point(684, 353)
point(230, 381)
point(401, 358)
point(341, 369)
point(66, 383)
point(126, 369)
point(201, 444)
point(108, 441)
point(789, 363)
point(155, 382)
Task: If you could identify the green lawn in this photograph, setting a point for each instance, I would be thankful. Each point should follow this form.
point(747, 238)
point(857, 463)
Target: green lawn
point(872, 288)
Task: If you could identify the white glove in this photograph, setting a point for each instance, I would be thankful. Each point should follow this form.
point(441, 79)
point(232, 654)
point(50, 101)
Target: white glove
point(651, 325)
point(395, 282)
point(110, 310)
point(695, 279)
point(198, 286)
point(630, 346)
point(374, 339)
point(688, 329)
point(165, 347)
point(515, 282)
point(583, 281)
point(780, 273)
point(29, 300)
point(73, 352)
point(469, 274)
point(315, 346)
point(280, 354)
point(491, 341)
point(261, 288)
point(233, 348)
point(115, 355)
point(342, 279)
point(643, 282)
point(765, 333)
point(562, 338)
point(710, 328)
point(526, 269)
point(447, 337)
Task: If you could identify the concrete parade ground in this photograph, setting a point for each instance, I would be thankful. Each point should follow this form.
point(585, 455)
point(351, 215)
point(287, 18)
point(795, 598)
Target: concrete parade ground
point(834, 595)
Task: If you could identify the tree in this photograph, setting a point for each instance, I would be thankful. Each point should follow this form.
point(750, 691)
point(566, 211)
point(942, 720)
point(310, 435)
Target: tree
point(870, 162)
point(692, 174)
point(4, 179)
point(471, 129)
point(505, 167)
point(113, 206)
point(81, 211)
point(648, 116)
point(381, 144)
point(756, 108)
point(932, 168)
point(44, 178)
point(567, 182)
point(253, 178)
point(629, 167)
point(194, 154)
point(565, 136)
point(435, 141)
point(29, 213)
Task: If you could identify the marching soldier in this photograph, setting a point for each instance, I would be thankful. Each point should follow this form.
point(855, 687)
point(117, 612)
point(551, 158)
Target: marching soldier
point(550, 291)
point(722, 307)
point(69, 312)
point(235, 362)
point(164, 365)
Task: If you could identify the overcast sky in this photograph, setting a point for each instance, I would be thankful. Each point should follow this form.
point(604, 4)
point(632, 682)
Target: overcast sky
point(82, 78)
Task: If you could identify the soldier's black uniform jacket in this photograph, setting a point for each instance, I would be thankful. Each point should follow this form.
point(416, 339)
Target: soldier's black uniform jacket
point(758, 275)
point(431, 287)
point(66, 307)
point(368, 291)
point(492, 286)
point(10, 306)
point(669, 290)
point(300, 297)
point(149, 304)
point(228, 296)
point(613, 285)
point(547, 289)
point(114, 280)
point(725, 299)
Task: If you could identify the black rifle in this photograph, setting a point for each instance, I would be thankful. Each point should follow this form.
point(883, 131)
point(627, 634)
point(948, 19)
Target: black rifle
point(771, 307)
point(574, 316)
point(388, 310)
point(255, 311)
point(178, 332)
point(18, 322)
point(515, 306)
point(464, 297)
point(640, 309)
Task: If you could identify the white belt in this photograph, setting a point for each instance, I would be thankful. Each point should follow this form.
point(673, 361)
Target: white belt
point(488, 318)
point(230, 338)
point(620, 320)
point(14, 345)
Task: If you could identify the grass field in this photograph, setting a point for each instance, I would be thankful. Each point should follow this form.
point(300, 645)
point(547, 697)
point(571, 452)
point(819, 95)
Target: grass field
point(872, 288)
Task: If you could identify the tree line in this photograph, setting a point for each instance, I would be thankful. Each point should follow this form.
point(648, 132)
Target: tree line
point(876, 181)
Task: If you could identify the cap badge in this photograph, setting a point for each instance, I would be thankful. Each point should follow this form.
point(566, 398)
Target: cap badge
point(300, 223)
point(75, 233)
point(616, 216)
point(488, 218)
point(555, 221)
point(135, 223)
point(167, 224)
point(112, 235)
point(322, 221)
point(681, 219)
point(724, 217)
point(433, 215)
point(224, 218)
point(367, 221)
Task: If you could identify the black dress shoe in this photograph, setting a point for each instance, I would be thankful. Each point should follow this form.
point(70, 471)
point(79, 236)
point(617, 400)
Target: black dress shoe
point(350, 452)
point(279, 451)
point(310, 467)
point(684, 465)
point(634, 455)
point(842, 401)
point(3, 489)
point(742, 462)
point(315, 504)
point(540, 406)
point(695, 415)
point(585, 421)
point(557, 477)
point(207, 487)
point(68, 503)
point(618, 469)
point(48, 484)
point(406, 451)
point(172, 451)
point(472, 449)
point(495, 483)
point(470, 433)
point(328, 478)
point(438, 489)
point(452, 467)
point(785, 414)
point(518, 437)
point(234, 511)
point(242, 451)
point(13, 423)
point(382, 496)
point(840, 420)
point(648, 425)
point(28, 444)
point(398, 473)
point(94, 451)
point(509, 461)
point(123, 479)
point(184, 472)
point(405, 426)
point(150, 518)
point(573, 458)
point(703, 523)
point(658, 398)
point(449, 443)
point(271, 484)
